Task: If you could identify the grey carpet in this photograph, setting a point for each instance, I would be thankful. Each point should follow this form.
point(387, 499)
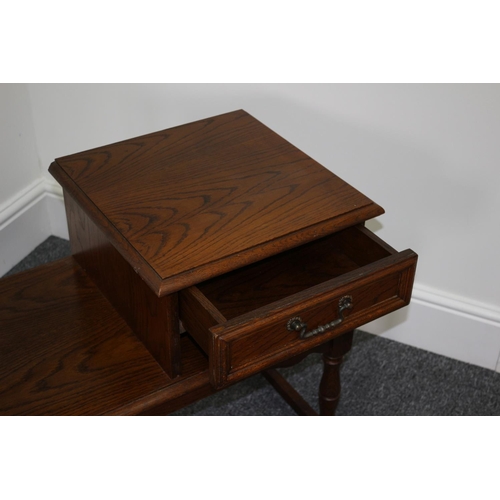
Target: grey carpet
point(52, 248)
point(379, 377)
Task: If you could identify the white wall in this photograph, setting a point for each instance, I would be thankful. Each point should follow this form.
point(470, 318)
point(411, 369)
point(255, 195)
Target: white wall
point(428, 154)
point(18, 154)
point(24, 219)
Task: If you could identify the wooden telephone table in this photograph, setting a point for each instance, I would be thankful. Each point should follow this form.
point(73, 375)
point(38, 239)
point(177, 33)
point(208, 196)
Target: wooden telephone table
point(202, 254)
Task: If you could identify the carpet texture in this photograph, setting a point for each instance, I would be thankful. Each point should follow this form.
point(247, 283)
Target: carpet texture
point(379, 377)
point(52, 248)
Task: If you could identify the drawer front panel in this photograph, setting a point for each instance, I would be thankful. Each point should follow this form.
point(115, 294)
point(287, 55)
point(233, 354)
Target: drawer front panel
point(239, 350)
point(265, 341)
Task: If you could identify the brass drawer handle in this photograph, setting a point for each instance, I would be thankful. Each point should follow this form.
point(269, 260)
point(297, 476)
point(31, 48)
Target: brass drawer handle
point(296, 324)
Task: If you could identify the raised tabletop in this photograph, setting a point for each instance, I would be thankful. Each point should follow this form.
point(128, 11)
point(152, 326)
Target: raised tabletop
point(195, 201)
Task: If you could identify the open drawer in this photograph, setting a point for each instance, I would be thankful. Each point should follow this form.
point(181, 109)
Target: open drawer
point(255, 317)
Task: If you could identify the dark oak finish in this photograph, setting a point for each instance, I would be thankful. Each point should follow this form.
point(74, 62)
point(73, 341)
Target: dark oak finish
point(65, 351)
point(199, 314)
point(153, 319)
point(221, 224)
point(196, 201)
point(329, 387)
point(258, 338)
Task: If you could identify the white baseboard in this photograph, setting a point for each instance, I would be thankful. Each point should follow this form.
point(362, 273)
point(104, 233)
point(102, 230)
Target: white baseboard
point(446, 325)
point(438, 322)
point(29, 219)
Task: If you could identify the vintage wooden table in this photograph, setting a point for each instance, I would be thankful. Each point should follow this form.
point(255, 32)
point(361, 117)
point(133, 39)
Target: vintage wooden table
point(202, 254)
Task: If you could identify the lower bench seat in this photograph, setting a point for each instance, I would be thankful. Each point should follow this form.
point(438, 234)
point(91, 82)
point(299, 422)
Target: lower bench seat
point(64, 350)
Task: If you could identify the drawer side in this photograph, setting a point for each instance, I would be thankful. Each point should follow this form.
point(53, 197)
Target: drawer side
point(198, 315)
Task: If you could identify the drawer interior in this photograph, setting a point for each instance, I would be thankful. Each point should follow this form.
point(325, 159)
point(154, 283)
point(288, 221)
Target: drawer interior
point(256, 285)
point(242, 319)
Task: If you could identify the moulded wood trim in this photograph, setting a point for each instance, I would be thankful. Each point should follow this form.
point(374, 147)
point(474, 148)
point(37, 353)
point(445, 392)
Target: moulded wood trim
point(224, 335)
point(177, 282)
point(260, 252)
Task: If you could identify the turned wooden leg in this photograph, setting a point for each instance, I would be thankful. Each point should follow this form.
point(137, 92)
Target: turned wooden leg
point(329, 387)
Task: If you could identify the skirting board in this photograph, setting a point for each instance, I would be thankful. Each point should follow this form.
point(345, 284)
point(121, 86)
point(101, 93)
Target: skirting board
point(445, 325)
point(28, 220)
point(434, 321)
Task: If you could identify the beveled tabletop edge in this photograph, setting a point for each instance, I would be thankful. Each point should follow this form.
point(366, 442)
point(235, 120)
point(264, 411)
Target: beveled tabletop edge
point(211, 269)
point(259, 252)
point(191, 277)
point(174, 282)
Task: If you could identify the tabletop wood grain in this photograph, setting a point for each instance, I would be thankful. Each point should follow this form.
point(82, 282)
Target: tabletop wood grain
point(198, 200)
